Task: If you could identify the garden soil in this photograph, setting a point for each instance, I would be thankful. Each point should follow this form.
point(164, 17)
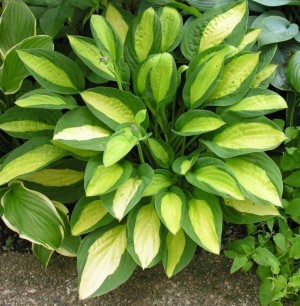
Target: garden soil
point(206, 282)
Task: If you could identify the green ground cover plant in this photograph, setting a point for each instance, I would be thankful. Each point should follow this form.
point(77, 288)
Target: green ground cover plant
point(130, 131)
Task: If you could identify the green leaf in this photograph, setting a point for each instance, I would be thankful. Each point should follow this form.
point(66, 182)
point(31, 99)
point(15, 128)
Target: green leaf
point(293, 179)
point(263, 78)
point(277, 2)
point(32, 216)
point(33, 155)
point(17, 23)
point(42, 254)
point(170, 205)
point(99, 179)
point(144, 236)
point(54, 71)
point(238, 263)
point(112, 106)
point(293, 70)
point(203, 222)
point(295, 248)
point(248, 41)
point(161, 152)
point(264, 257)
point(88, 214)
point(178, 252)
point(103, 262)
point(223, 24)
point(42, 98)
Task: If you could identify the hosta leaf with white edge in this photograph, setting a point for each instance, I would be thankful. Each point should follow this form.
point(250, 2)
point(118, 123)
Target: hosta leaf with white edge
point(245, 136)
point(234, 80)
point(293, 71)
point(203, 221)
point(161, 152)
point(103, 262)
point(13, 71)
point(170, 205)
point(89, 213)
point(214, 176)
point(33, 155)
point(80, 129)
point(42, 254)
point(223, 24)
point(32, 216)
point(259, 176)
point(54, 71)
point(99, 179)
point(143, 38)
point(178, 252)
point(42, 98)
point(112, 106)
point(120, 201)
point(196, 122)
point(144, 236)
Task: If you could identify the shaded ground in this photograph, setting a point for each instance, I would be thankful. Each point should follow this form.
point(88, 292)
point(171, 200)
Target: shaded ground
point(206, 282)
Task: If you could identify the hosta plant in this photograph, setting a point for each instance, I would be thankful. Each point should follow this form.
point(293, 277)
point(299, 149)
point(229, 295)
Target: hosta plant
point(154, 126)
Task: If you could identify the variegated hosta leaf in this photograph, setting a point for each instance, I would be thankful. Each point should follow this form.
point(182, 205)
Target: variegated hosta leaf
point(162, 179)
point(183, 164)
point(172, 24)
point(248, 41)
point(99, 179)
point(143, 38)
point(263, 78)
point(203, 222)
point(161, 152)
point(259, 176)
point(202, 81)
point(144, 236)
point(103, 262)
point(112, 106)
point(42, 254)
point(266, 55)
point(258, 102)
point(196, 122)
point(88, 214)
point(54, 71)
point(214, 176)
point(33, 216)
point(80, 129)
point(120, 201)
point(29, 123)
point(42, 98)
point(223, 24)
point(178, 252)
point(245, 136)
point(247, 212)
point(293, 70)
point(33, 155)
point(235, 80)
point(170, 205)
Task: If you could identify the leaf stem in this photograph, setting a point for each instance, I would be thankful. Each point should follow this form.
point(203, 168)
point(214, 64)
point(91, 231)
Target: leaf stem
point(140, 151)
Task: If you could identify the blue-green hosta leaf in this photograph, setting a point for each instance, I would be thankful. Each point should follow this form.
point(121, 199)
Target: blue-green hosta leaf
point(161, 152)
point(17, 23)
point(33, 216)
point(263, 78)
point(277, 2)
point(29, 123)
point(88, 214)
point(144, 236)
point(13, 71)
point(203, 222)
point(196, 122)
point(54, 71)
point(202, 81)
point(224, 24)
point(243, 136)
point(294, 70)
point(259, 176)
point(202, 5)
point(42, 254)
point(178, 252)
point(33, 155)
point(120, 201)
point(143, 38)
point(42, 98)
point(258, 102)
point(214, 176)
point(235, 80)
point(276, 29)
point(112, 106)
point(170, 205)
point(89, 53)
point(103, 262)
point(171, 24)
point(247, 212)
point(81, 130)
point(99, 179)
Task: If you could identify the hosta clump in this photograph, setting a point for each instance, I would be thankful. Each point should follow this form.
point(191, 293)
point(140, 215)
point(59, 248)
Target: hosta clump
point(153, 165)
